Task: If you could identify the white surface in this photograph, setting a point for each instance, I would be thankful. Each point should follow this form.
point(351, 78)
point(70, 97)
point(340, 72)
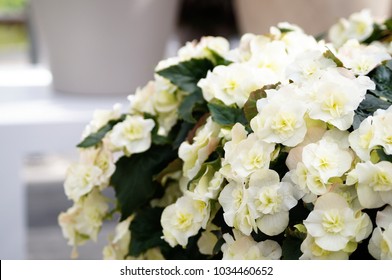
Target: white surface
point(35, 119)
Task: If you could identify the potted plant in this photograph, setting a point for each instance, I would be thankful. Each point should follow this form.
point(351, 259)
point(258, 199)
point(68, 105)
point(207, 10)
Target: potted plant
point(277, 149)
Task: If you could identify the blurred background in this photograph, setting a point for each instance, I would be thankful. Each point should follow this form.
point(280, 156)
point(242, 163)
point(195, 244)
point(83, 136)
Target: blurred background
point(61, 59)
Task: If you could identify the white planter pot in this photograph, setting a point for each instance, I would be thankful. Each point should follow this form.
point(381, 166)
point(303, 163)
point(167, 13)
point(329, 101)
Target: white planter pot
point(104, 46)
point(314, 16)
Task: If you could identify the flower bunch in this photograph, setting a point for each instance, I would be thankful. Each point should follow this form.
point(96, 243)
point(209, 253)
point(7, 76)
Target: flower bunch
point(280, 148)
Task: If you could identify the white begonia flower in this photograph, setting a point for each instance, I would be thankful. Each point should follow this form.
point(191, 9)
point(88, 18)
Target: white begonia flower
point(361, 139)
point(280, 117)
point(165, 99)
point(166, 63)
point(327, 158)
point(361, 25)
point(202, 48)
point(270, 56)
point(83, 220)
point(334, 97)
point(101, 118)
point(315, 131)
point(182, 220)
point(142, 101)
point(358, 26)
point(208, 186)
point(270, 201)
point(101, 157)
point(245, 248)
point(133, 135)
point(374, 183)
point(195, 154)
point(297, 42)
point(233, 84)
point(246, 156)
point(308, 66)
point(383, 129)
point(380, 244)
point(208, 240)
point(81, 179)
point(337, 34)
point(166, 122)
point(118, 246)
point(311, 251)
point(243, 52)
point(361, 59)
point(94, 169)
point(332, 223)
point(234, 200)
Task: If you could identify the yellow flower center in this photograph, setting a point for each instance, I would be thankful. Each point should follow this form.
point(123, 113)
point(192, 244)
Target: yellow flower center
point(333, 222)
point(284, 123)
point(382, 181)
point(231, 85)
point(183, 221)
point(133, 131)
point(269, 201)
point(334, 105)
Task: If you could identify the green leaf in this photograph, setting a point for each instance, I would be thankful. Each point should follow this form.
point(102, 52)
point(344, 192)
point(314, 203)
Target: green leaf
point(382, 155)
point(217, 59)
point(133, 179)
point(218, 245)
point(279, 164)
point(250, 106)
point(190, 104)
point(146, 231)
point(367, 107)
point(382, 77)
point(96, 137)
point(285, 30)
point(330, 55)
point(174, 166)
point(291, 248)
point(190, 252)
point(187, 74)
point(225, 115)
point(180, 132)
point(388, 24)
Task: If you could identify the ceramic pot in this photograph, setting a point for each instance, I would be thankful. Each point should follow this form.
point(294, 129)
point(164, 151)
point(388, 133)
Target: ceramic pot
point(101, 46)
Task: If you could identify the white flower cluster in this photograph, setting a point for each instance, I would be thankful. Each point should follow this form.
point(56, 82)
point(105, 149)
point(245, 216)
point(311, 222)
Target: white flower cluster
point(308, 114)
point(298, 149)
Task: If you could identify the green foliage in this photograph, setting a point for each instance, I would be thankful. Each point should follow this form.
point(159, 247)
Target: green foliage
point(330, 55)
point(225, 115)
point(291, 248)
point(146, 231)
point(388, 24)
point(380, 33)
point(190, 252)
point(187, 74)
point(96, 137)
point(250, 106)
point(218, 59)
point(190, 104)
point(133, 179)
point(380, 97)
point(382, 77)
